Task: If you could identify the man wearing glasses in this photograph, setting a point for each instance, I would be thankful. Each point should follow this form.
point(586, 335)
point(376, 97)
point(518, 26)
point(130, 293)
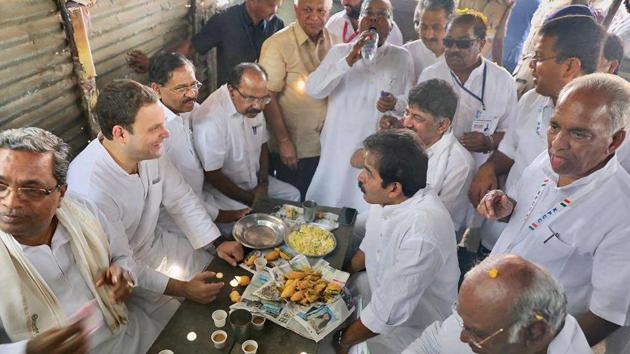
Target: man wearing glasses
point(566, 48)
point(172, 76)
point(506, 305)
point(230, 136)
point(357, 89)
point(430, 20)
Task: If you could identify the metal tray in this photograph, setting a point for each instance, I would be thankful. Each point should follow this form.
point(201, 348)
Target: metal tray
point(259, 231)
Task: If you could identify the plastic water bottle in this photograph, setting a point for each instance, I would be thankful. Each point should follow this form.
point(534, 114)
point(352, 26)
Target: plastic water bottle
point(368, 51)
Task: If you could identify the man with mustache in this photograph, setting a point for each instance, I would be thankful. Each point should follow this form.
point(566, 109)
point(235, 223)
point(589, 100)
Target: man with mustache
point(172, 76)
point(344, 24)
point(568, 212)
point(430, 20)
point(406, 267)
point(230, 136)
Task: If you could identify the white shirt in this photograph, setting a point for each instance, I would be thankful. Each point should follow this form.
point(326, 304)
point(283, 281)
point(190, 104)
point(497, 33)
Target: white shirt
point(227, 140)
point(443, 338)
point(352, 115)
point(131, 204)
point(499, 98)
point(588, 253)
point(449, 174)
point(422, 56)
point(411, 266)
point(180, 150)
point(339, 24)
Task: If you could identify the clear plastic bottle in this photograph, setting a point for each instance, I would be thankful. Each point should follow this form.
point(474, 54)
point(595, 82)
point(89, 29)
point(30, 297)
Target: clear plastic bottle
point(368, 51)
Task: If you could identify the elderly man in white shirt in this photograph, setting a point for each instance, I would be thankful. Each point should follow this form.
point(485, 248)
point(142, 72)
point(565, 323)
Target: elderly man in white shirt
point(126, 175)
point(230, 136)
point(343, 24)
point(172, 76)
point(430, 20)
point(578, 180)
point(506, 305)
point(357, 89)
point(566, 48)
point(56, 258)
point(487, 92)
point(408, 252)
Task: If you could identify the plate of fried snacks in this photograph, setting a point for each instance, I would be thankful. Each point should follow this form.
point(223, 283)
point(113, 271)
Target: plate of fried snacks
point(307, 287)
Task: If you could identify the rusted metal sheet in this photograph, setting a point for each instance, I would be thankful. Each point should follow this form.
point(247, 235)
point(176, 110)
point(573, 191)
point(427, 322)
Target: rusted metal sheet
point(37, 83)
point(118, 26)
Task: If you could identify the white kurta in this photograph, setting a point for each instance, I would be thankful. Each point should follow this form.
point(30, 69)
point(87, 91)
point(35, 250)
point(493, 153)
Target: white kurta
point(584, 244)
point(351, 116)
point(227, 140)
point(525, 139)
point(57, 267)
point(339, 25)
point(411, 268)
point(500, 100)
point(450, 172)
point(422, 56)
point(443, 338)
point(180, 150)
point(131, 204)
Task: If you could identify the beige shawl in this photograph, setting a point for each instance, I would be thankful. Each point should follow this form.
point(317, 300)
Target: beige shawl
point(27, 305)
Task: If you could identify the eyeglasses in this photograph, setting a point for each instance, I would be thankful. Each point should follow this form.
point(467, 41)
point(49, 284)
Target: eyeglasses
point(476, 340)
point(252, 99)
point(184, 90)
point(28, 193)
point(460, 43)
point(380, 14)
point(535, 57)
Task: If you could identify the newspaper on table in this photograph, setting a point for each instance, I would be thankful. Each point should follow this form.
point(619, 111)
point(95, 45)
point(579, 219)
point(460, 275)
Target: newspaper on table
point(314, 321)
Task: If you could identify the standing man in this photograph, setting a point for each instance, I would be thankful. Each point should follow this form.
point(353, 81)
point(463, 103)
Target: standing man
point(172, 77)
point(295, 118)
point(407, 259)
point(430, 20)
point(238, 33)
point(344, 24)
point(356, 90)
point(230, 136)
point(568, 212)
point(126, 175)
point(56, 258)
point(567, 48)
point(487, 93)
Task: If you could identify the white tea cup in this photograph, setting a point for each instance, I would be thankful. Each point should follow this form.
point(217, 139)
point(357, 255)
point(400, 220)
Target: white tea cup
point(219, 317)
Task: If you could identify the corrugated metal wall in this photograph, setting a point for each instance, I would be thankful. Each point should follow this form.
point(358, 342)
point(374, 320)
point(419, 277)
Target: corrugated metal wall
point(118, 26)
point(37, 85)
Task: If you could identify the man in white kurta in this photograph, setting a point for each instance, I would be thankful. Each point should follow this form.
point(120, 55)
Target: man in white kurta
point(230, 137)
point(567, 213)
point(128, 178)
point(353, 87)
point(341, 24)
point(444, 337)
point(408, 252)
point(430, 19)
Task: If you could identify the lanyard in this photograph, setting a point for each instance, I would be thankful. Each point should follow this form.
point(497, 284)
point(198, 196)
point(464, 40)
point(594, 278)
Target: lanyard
point(345, 32)
point(483, 87)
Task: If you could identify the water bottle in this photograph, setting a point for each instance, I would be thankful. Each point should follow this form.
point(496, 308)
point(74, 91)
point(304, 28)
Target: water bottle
point(368, 51)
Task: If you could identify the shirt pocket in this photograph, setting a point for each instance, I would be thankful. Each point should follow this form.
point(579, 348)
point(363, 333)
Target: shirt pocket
point(551, 252)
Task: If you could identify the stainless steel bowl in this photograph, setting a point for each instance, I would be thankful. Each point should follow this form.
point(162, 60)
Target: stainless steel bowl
point(259, 231)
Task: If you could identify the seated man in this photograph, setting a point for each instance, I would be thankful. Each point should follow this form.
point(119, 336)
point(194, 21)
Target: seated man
point(230, 136)
point(568, 212)
point(408, 252)
point(126, 175)
point(172, 76)
point(506, 305)
point(429, 114)
point(56, 257)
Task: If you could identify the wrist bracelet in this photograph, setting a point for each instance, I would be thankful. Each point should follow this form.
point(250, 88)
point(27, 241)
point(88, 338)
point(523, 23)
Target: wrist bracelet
point(491, 140)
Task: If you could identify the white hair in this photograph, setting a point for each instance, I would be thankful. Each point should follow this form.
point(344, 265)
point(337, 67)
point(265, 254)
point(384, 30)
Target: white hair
point(328, 3)
point(616, 91)
point(390, 10)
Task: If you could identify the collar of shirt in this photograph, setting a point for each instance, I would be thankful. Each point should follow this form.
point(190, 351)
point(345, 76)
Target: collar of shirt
point(248, 19)
point(569, 338)
point(390, 210)
point(59, 238)
point(228, 104)
point(300, 35)
point(477, 72)
point(609, 169)
point(442, 144)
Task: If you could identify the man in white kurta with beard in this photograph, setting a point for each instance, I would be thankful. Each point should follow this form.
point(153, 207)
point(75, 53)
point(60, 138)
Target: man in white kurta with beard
point(125, 174)
point(56, 258)
point(356, 89)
